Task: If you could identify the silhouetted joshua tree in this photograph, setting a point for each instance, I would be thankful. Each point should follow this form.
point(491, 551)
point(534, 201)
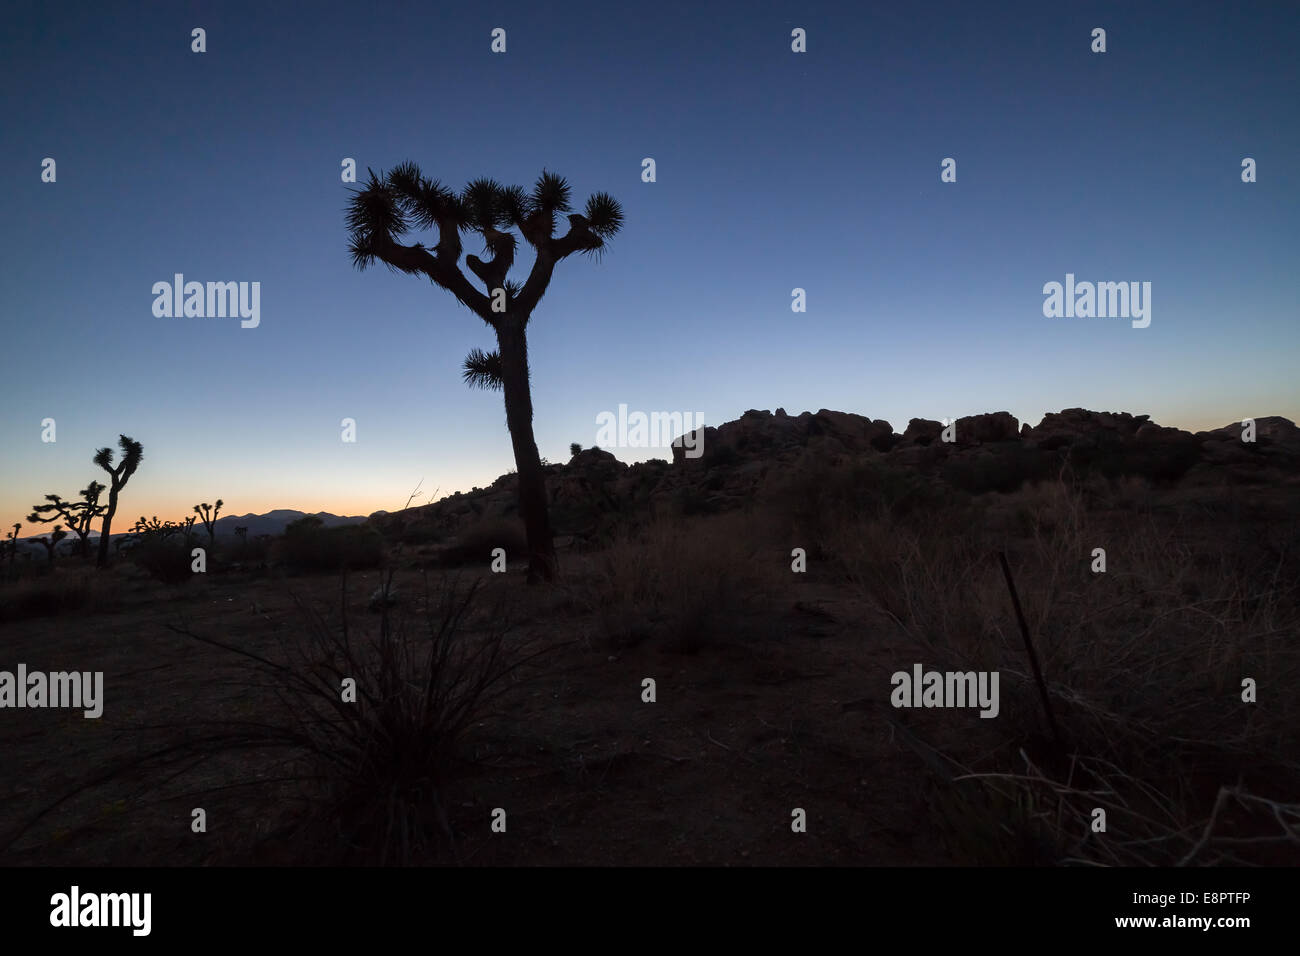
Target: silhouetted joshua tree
point(132, 455)
point(78, 514)
point(209, 516)
point(51, 542)
point(11, 544)
point(390, 205)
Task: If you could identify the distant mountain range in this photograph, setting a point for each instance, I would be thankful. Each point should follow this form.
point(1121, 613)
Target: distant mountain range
point(273, 522)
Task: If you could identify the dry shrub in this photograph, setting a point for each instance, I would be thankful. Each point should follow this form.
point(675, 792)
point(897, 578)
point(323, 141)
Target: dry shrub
point(307, 545)
point(1144, 666)
point(814, 497)
point(167, 560)
point(373, 773)
point(474, 545)
point(682, 582)
point(80, 590)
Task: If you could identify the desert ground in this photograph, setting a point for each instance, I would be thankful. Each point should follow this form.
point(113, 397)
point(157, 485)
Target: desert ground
point(497, 723)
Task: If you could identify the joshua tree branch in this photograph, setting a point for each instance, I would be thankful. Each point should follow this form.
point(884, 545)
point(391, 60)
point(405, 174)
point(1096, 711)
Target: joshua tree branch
point(492, 273)
point(579, 238)
point(417, 260)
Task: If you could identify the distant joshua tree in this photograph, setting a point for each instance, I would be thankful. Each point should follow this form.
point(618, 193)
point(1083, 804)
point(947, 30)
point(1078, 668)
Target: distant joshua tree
point(132, 455)
point(575, 450)
point(209, 516)
point(390, 205)
point(78, 514)
point(11, 544)
point(51, 542)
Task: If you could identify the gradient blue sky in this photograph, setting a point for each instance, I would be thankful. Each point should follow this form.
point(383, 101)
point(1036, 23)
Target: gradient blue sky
point(775, 170)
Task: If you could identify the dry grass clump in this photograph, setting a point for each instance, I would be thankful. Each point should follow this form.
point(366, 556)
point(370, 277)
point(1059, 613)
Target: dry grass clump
point(77, 589)
point(1144, 666)
point(684, 582)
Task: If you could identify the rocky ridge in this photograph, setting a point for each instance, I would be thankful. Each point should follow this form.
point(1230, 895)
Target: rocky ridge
point(993, 452)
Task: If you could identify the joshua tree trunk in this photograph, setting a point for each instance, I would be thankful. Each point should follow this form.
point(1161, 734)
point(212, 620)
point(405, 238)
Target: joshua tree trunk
point(104, 529)
point(533, 502)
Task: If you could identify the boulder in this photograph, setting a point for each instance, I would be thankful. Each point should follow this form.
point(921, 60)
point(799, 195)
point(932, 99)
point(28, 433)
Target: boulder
point(1273, 428)
point(1150, 432)
point(853, 433)
point(760, 434)
point(699, 441)
point(923, 431)
point(990, 427)
point(1058, 429)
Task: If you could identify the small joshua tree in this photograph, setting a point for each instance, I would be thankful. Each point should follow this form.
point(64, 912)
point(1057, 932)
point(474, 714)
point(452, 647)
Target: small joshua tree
point(575, 450)
point(51, 541)
point(209, 516)
point(11, 544)
point(78, 514)
point(119, 475)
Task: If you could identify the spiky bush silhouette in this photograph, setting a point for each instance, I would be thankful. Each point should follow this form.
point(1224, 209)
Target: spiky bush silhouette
point(404, 199)
point(77, 514)
point(381, 767)
point(377, 773)
point(118, 475)
point(146, 528)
